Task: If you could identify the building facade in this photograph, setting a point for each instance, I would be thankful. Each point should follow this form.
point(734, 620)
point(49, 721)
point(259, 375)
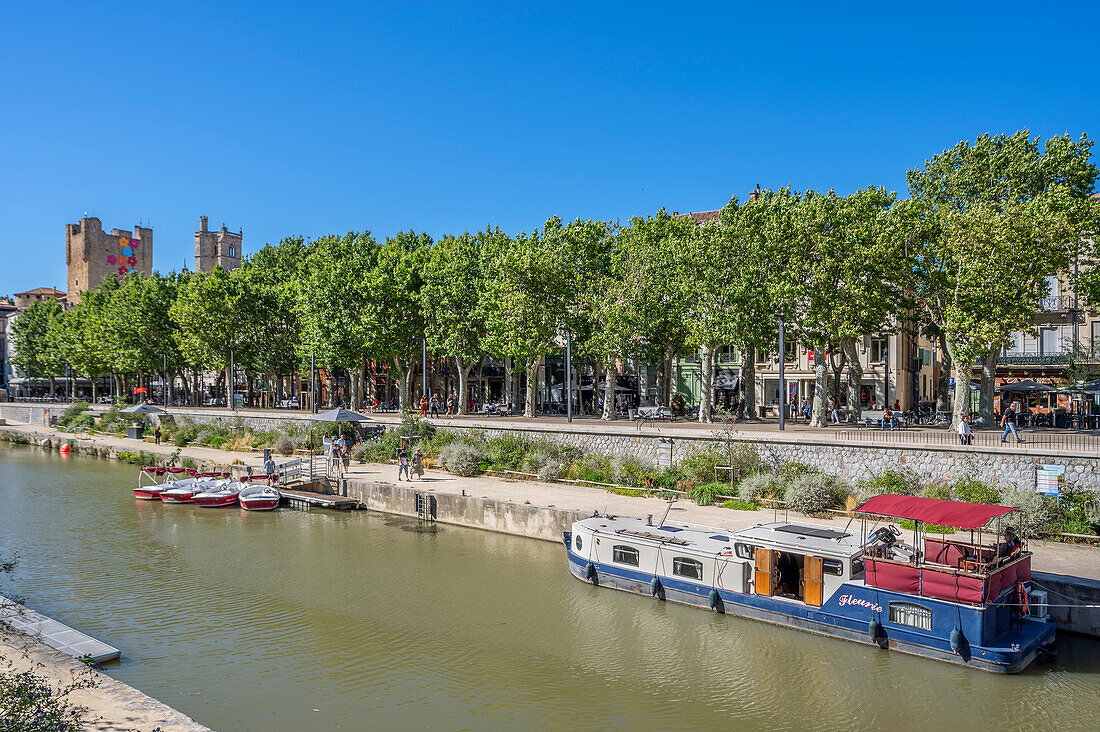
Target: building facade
point(92, 255)
point(217, 248)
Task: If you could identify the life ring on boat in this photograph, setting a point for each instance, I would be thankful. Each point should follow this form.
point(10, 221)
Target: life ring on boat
point(1020, 599)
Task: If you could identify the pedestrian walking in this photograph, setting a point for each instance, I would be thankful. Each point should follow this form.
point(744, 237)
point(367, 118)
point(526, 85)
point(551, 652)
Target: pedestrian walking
point(451, 405)
point(423, 406)
point(418, 464)
point(402, 464)
point(435, 405)
point(834, 411)
point(269, 466)
point(1008, 421)
point(156, 434)
point(965, 437)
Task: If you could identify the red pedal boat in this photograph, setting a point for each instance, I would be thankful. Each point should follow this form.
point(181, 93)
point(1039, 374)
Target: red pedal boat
point(260, 498)
point(222, 493)
point(184, 490)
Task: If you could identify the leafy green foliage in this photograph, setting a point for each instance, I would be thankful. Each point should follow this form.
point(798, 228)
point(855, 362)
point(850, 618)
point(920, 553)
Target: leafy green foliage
point(813, 493)
point(462, 458)
point(898, 482)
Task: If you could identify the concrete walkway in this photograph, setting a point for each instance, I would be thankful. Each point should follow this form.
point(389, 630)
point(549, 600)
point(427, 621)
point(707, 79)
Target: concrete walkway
point(1070, 559)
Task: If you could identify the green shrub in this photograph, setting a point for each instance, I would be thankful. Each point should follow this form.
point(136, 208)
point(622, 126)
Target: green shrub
point(698, 467)
point(1039, 514)
point(461, 458)
point(974, 491)
point(74, 410)
point(506, 452)
point(634, 472)
point(937, 490)
point(813, 492)
point(789, 471)
point(759, 486)
point(30, 703)
point(284, 445)
point(739, 505)
point(900, 482)
point(704, 494)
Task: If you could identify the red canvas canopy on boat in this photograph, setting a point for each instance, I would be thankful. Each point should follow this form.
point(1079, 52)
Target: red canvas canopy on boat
point(933, 510)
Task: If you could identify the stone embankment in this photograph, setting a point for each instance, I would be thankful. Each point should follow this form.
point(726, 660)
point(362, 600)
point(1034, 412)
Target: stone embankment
point(850, 459)
point(111, 705)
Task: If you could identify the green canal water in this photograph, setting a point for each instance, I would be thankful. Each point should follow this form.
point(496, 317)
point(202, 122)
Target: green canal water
point(319, 620)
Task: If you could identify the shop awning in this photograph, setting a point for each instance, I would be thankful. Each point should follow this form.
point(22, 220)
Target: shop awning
point(933, 510)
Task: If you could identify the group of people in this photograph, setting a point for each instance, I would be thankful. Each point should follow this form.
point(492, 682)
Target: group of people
point(433, 403)
point(1008, 421)
point(410, 465)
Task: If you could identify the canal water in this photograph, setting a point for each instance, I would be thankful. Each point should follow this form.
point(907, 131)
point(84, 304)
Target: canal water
point(320, 620)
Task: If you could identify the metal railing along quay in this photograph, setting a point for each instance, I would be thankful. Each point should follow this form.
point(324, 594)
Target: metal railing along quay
point(1045, 439)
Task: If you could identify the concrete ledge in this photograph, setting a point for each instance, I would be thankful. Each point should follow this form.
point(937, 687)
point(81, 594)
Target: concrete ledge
point(1064, 593)
point(520, 519)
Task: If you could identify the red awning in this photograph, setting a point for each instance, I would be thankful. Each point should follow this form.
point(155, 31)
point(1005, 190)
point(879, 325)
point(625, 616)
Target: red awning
point(933, 511)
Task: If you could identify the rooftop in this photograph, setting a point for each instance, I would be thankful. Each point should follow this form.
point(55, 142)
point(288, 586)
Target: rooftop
point(42, 291)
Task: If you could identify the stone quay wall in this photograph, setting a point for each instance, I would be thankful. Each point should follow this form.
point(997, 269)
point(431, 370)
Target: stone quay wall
point(849, 461)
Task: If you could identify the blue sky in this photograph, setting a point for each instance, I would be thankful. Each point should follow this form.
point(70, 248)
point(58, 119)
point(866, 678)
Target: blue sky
point(315, 118)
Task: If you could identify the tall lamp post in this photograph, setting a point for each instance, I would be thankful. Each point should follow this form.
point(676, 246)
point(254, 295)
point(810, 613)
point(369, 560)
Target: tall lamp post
point(782, 376)
point(568, 376)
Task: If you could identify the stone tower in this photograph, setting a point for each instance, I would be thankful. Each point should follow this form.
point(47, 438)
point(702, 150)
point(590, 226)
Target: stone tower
point(213, 248)
point(92, 254)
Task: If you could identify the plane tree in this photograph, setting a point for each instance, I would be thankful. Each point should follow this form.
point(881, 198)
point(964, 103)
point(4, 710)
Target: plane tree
point(986, 224)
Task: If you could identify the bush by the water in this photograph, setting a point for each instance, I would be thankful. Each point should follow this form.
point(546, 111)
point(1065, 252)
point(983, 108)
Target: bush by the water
point(759, 486)
point(74, 412)
point(970, 490)
point(462, 458)
point(705, 494)
point(900, 482)
point(813, 492)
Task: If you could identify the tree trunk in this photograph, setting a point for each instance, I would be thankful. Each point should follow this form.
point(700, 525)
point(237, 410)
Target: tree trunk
point(610, 382)
point(855, 380)
point(961, 405)
point(664, 384)
point(463, 382)
point(511, 398)
point(533, 366)
point(404, 371)
point(819, 417)
point(748, 383)
point(989, 384)
point(706, 386)
point(943, 384)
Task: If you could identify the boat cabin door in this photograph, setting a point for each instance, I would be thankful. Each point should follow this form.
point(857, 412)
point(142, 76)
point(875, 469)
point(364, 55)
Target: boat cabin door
point(764, 579)
point(812, 581)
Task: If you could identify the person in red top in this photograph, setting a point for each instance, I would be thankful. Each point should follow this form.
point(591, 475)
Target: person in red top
point(897, 406)
point(423, 407)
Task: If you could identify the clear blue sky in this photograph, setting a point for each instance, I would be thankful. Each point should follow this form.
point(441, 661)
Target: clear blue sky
point(312, 117)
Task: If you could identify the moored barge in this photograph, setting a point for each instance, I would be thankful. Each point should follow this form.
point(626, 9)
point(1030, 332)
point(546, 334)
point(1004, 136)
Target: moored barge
point(954, 601)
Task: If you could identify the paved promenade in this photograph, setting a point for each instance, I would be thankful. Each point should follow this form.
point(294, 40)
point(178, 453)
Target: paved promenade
point(1070, 559)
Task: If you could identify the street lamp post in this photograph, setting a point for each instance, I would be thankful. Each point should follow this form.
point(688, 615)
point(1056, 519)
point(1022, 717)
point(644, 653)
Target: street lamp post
point(568, 376)
point(782, 376)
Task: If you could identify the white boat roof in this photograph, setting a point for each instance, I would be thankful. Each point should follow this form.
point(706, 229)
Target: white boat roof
point(802, 538)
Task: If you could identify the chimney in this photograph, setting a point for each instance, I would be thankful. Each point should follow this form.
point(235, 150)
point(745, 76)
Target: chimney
point(202, 223)
point(755, 193)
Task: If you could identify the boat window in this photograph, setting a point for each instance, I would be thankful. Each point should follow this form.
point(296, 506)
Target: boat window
point(684, 567)
point(832, 566)
point(625, 555)
point(745, 551)
point(915, 616)
point(577, 541)
point(857, 567)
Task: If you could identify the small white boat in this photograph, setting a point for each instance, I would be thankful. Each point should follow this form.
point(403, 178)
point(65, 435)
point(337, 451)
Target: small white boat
point(182, 491)
point(222, 493)
point(260, 498)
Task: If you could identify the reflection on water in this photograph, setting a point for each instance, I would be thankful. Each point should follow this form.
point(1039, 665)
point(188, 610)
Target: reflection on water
point(315, 620)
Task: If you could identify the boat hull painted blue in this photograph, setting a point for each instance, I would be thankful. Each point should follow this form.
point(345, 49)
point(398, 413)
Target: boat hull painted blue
point(848, 613)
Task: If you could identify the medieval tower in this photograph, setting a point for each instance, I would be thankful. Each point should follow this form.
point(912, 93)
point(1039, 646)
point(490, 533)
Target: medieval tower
point(92, 255)
point(213, 248)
